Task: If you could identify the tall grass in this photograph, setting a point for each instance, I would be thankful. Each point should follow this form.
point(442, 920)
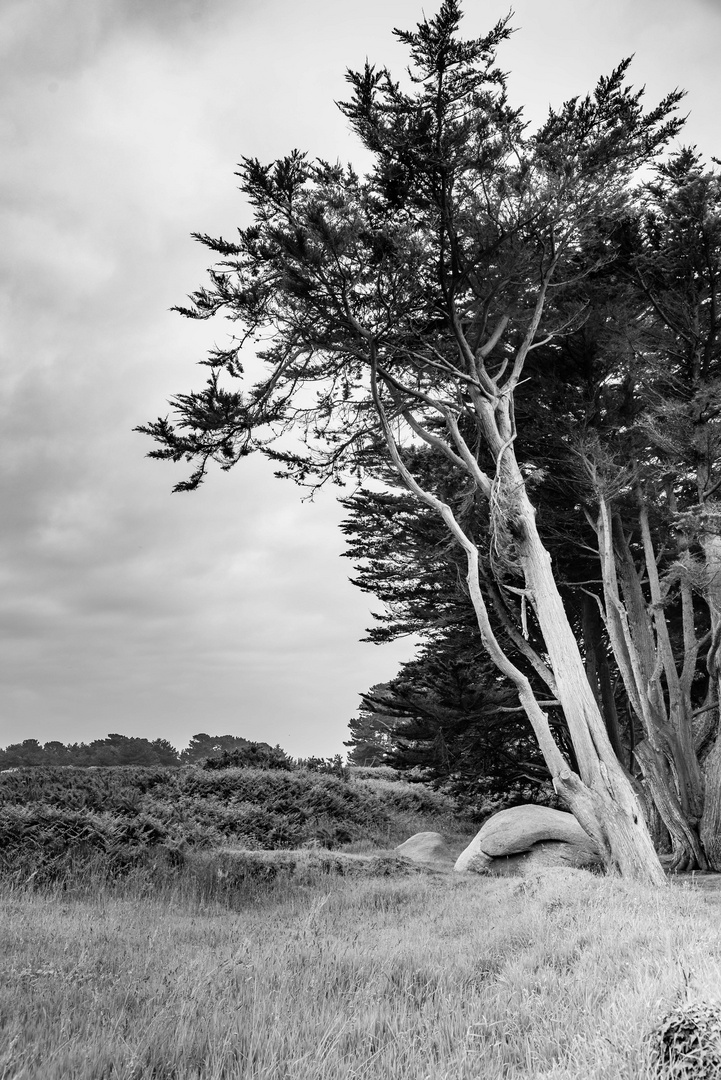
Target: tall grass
point(321, 976)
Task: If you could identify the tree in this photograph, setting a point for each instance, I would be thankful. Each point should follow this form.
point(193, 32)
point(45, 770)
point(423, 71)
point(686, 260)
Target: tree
point(28, 752)
point(450, 716)
point(634, 395)
point(203, 746)
point(448, 711)
point(371, 730)
point(410, 301)
point(114, 750)
point(678, 272)
point(250, 755)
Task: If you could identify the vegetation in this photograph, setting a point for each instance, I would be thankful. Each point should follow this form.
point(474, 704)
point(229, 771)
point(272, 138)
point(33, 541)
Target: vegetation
point(113, 750)
point(258, 755)
point(416, 978)
point(61, 824)
point(125, 750)
point(481, 288)
point(149, 932)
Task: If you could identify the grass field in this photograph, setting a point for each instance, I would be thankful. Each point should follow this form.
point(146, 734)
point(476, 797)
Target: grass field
point(420, 977)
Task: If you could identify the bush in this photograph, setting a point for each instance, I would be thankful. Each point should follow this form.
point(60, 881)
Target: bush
point(57, 823)
point(44, 844)
point(332, 766)
point(253, 756)
point(373, 772)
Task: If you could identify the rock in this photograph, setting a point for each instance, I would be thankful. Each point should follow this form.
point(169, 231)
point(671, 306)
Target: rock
point(542, 856)
point(520, 827)
point(472, 858)
point(524, 838)
point(426, 847)
point(477, 863)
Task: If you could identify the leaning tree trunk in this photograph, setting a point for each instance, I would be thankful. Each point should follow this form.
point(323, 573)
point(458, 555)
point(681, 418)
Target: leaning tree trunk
point(711, 819)
point(598, 672)
point(601, 795)
point(602, 798)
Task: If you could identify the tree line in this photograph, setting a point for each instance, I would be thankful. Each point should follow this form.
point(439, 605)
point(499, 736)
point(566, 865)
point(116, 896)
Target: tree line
point(510, 339)
point(121, 750)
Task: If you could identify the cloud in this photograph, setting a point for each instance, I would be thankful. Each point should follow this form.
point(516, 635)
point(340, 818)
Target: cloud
point(61, 39)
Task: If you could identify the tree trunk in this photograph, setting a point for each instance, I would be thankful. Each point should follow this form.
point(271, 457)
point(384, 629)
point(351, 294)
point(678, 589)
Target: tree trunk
point(602, 798)
point(711, 819)
point(673, 777)
point(598, 672)
point(685, 844)
point(656, 825)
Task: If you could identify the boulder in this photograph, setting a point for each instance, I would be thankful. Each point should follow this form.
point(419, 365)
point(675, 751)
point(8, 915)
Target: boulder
point(520, 827)
point(473, 859)
point(426, 847)
point(528, 837)
point(540, 857)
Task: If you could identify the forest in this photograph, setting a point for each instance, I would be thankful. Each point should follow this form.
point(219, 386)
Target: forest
point(509, 340)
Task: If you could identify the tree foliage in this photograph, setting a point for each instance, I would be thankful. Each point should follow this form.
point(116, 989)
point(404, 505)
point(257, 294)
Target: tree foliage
point(126, 750)
point(113, 750)
point(448, 712)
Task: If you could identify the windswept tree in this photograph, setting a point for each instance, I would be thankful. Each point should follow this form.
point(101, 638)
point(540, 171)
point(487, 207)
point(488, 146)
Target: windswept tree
point(400, 308)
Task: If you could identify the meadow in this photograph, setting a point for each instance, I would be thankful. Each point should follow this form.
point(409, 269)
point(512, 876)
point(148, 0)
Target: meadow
point(217, 964)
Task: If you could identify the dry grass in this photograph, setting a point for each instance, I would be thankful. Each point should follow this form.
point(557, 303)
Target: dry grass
point(313, 978)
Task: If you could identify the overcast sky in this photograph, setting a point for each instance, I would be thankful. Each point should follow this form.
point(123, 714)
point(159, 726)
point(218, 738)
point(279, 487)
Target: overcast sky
point(123, 607)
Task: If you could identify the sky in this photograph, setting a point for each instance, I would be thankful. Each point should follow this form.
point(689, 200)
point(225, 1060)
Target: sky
point(123, 607)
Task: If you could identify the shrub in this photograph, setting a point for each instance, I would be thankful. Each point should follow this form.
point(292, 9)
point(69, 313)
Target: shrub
point(56, 823)
point(373, 772)
point(687, 1043)
point(44, 843)
point(253, 756)
point(333, 766)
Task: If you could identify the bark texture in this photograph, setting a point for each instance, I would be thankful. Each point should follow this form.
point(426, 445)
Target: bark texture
point(711, 819)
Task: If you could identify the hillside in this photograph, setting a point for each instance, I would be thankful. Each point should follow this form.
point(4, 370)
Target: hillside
point(56, 822)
